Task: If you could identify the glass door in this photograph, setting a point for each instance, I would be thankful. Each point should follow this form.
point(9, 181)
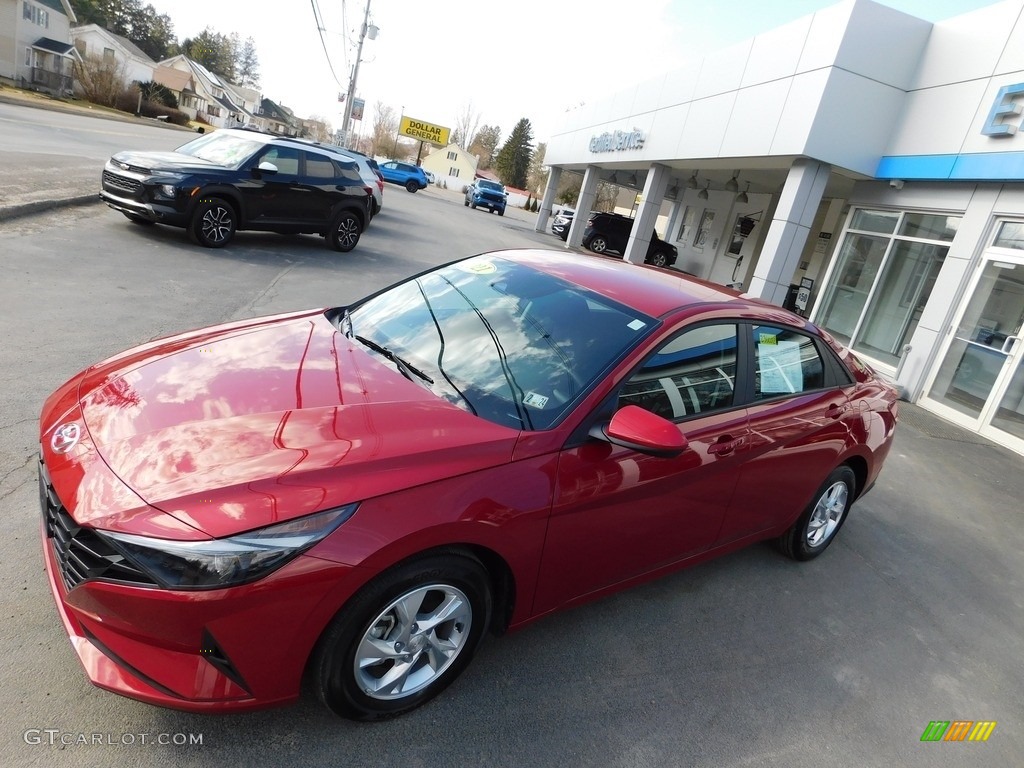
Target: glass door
point(980, 383)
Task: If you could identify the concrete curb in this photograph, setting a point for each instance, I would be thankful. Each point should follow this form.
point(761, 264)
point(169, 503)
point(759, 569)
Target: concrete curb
point(26, 209)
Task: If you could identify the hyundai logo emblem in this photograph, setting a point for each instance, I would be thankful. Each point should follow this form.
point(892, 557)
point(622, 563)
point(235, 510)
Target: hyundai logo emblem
point(65, 438)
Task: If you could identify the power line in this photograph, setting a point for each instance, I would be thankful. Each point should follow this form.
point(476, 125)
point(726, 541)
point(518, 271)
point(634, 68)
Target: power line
point(318, 18)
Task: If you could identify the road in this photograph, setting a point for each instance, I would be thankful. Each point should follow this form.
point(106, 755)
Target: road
point(915, 614)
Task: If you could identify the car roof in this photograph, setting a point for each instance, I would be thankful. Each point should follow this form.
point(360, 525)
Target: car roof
point(653, 291)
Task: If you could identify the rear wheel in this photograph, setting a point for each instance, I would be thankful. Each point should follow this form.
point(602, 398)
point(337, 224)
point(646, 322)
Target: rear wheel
point(344, 232)
point(411, 185)
point(598, 244)
point(213, 223)
point(818, 525)
point(658, 259)
point(404, 638)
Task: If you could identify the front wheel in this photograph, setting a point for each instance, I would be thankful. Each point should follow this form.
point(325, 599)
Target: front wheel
point(344, 232)
point(465, 202)
point(411, 185)
point(213, 223)
point(501, 212)
point(598, 244)
point(404, 638)
point(818, 525)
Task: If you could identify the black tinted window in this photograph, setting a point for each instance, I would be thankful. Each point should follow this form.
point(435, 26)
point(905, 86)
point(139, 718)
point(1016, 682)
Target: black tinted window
point(319, 167)
point(285, 158)
point(693, 373)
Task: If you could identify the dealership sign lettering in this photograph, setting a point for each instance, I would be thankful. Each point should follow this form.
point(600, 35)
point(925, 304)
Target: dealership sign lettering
point(1003, 107)
point(615, 141)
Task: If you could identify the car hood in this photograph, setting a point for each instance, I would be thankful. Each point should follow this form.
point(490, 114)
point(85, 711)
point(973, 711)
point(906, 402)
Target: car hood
point(233, 428)
point(141, 162)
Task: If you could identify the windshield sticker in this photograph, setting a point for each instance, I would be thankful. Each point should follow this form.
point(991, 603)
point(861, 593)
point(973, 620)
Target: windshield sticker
point(534, 400)
point(636, 325)
point(478, 267)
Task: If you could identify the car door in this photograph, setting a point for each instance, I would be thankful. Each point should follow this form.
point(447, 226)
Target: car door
point(800, 421)
point(619, 513)
point(321, 186)
point(274, 198)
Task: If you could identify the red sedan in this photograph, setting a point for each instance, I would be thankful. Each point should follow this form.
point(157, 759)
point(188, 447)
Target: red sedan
point(361, 493)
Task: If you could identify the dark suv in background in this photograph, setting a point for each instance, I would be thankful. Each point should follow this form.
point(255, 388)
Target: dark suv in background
point(241, 179)
point(609, 232)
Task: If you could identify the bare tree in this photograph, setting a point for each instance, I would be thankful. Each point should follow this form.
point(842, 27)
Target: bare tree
point(485, 144)
point(537, 172)
point(466, 125)
point(385, 130)
point(102, 79)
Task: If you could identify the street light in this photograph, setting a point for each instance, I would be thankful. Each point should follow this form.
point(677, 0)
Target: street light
point(367, 30)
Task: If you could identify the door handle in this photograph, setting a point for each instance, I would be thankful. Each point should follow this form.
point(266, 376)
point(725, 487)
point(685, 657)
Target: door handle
point(835, 410)
point(724, 445)
point(1008, 344)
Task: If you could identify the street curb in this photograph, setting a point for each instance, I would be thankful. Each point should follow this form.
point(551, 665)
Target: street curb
point(26, 209)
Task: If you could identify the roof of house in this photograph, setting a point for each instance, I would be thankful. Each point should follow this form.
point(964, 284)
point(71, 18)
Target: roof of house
point(131, 48)
point(60, 6)
point(48, 44)
point(175, 79)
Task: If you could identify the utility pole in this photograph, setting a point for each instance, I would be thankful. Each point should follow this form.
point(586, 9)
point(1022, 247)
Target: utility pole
point(355, 74)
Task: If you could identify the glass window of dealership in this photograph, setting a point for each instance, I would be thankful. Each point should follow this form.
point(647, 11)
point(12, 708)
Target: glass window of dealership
point(879, 283)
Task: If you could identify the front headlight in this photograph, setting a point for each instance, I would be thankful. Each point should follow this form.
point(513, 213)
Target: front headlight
point(228, 562)
point(168, 190)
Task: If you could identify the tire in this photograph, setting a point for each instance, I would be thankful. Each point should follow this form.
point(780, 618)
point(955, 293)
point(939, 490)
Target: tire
point(817, 527)
point(141, 221)
point(658, 259)
point(411, 185)
point(363, 668)
point(344, 232)
point(598, 244)
point(465, 202)
point(501, 212)
point(473, 206)
point(213, 223)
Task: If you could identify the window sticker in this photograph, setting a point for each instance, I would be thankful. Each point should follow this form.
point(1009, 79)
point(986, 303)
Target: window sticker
point(478, 267)
point(636, 325)
point(767, 338)
point(781, 371)
point(534, 400)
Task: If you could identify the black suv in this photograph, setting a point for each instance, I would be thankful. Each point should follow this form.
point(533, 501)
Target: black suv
point(610, 232)
point(240, 179)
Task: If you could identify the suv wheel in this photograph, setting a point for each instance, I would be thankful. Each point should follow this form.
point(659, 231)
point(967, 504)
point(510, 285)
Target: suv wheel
point(411, 185)
point(213, 223)
point(465, 202)
point(598, 244)
point(657, 259)
point(344, 232)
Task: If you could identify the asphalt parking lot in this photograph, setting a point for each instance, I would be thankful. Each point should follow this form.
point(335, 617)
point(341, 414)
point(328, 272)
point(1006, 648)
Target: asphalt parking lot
point(913, 615)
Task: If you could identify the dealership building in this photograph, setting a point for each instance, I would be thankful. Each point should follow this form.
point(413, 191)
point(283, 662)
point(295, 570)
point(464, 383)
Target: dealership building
point(860, 165)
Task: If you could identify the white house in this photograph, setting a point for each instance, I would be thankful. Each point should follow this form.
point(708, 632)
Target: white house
point(453, 165)
point(35, 44)
point(132, 62)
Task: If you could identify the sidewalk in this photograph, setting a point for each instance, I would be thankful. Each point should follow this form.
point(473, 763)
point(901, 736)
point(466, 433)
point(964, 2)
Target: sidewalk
point(31, 187)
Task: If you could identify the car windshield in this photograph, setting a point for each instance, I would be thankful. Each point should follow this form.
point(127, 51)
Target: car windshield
point(222, 149)
point(491, 185)
point(500, 339)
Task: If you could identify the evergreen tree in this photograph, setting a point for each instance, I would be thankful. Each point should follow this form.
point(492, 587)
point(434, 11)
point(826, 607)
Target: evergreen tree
point(213, 50)
point(513, 161)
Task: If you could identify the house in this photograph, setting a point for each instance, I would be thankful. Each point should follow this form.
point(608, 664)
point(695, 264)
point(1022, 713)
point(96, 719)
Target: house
point(35, 45)
point(452, 165)
point(210, 98)
point(279, 119)
point(182, 84)
point(133, 64)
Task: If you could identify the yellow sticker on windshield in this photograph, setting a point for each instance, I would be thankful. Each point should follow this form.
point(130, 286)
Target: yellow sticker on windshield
point(479, 267)
point(767, 338)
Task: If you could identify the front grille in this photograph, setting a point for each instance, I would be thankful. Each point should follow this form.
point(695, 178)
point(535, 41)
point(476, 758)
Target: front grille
point(122, 183)
point(81, 553)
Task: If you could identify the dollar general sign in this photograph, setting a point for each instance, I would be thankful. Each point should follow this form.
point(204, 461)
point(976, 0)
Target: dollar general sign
point(417, 129)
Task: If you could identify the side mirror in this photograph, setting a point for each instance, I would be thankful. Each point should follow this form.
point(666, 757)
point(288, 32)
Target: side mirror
point(640, 430)
point(267, 167)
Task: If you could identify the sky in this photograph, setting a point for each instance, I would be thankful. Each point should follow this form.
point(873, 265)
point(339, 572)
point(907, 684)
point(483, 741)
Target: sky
point(501, 62)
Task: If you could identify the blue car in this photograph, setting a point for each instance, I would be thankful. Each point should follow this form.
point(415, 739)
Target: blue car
point(484, 193)
point(409, 176)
